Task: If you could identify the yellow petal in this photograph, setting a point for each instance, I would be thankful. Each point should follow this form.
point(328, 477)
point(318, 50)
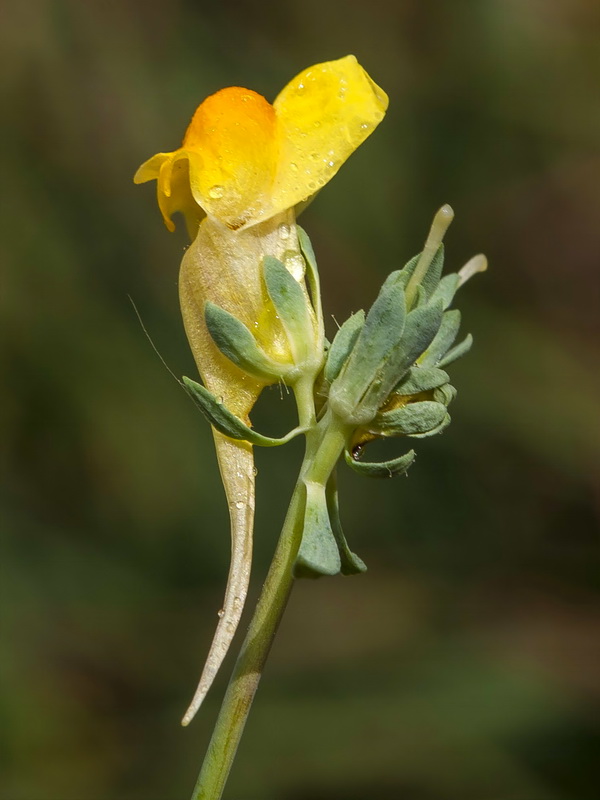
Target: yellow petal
point(150, 169)
point(323, 115)
point(232, 136)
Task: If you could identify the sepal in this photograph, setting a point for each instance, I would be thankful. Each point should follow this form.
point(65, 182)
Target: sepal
point(236, 342)
point(226, 422)
point(293, 308)
point(312, 275)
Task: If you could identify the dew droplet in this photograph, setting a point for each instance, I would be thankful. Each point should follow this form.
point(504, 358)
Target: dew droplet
point(331, 164)
point(220, 613)
point(237, 602)
point(364, 126)
point(293, 166)
point(255, 471)
point(239, 504)
point(284, 231)
point(216, 192)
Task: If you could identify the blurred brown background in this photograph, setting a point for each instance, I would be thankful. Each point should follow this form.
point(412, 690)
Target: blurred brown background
point(464, 664)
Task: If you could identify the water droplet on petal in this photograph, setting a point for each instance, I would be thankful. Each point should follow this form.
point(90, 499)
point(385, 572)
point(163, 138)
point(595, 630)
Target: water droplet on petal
point(216, 192)
point(239, 504)
point(293, 166)
point(220, 613)
point(284, 231)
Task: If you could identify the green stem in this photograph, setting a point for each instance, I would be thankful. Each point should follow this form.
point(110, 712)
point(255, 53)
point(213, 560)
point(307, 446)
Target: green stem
point(324, 443)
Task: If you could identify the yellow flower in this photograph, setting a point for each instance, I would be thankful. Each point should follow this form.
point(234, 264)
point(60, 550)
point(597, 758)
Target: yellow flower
point(244, 160)
point(244, 169)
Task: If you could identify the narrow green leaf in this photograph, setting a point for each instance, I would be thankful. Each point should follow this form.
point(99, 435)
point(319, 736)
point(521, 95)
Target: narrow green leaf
point(291, 304)
point(312, 272)
point(236, 342)
point(379, 337)
point(443, 340)
point(351, 564)
point(444, 394)
point(381, 469)
point(446, 289)
point(457, 351)
point(405, 274)
point(431, 279)
point(420, 297)
point(421, 327)
point(421, 379)
point(410, 419)
point(226, 422)
point(307, 249)
point(342, 345)
point(318, 554)
point(438, 429)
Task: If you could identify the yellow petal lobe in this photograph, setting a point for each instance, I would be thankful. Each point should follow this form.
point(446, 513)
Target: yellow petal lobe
point(232, 137)
point(323, 115)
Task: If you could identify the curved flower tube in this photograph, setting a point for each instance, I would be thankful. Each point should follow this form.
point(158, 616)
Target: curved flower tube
point(244, 169)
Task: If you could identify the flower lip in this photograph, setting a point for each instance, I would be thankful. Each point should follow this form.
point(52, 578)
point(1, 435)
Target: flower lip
point(244, 160)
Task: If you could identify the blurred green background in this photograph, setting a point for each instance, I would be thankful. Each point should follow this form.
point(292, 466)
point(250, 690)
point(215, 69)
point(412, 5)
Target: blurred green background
point(464, 665)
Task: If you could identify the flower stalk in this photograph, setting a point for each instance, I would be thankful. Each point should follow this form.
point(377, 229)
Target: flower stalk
point(324, 445)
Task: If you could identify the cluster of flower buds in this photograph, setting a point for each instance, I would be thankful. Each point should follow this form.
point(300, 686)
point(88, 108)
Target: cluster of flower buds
point(385, 370)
